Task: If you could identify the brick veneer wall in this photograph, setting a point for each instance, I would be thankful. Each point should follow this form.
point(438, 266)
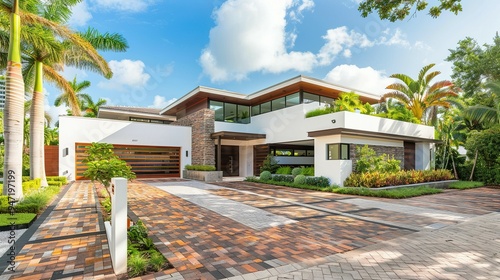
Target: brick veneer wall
point(202, 123)
point(398, 152)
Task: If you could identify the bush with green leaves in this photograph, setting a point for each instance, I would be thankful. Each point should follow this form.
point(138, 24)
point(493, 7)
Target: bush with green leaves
point(282, 178)
point(368, 161)
point(296, 171)
point(284, 170)
point(300, 179)
point(307, 171)
point(137, 264)
point(100, 151)
point(269, 164)
point(200, 167)
point(104, 170)
point(486, 143)
point(317, 181)
point(378, 179)
point(266, 175)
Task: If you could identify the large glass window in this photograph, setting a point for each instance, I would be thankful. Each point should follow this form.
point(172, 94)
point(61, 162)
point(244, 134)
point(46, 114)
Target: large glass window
point(293, 99)
point(218, 107)
point(278, 103)
point(243, 114)
point(310, 98)
point(265, 107)
point(326, 100)
point(338, 151)
point(256, 110)
point(229, 112)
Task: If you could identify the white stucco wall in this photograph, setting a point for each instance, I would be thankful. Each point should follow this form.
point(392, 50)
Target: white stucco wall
point(87, 130)
point(422, 156)
point(336, 170)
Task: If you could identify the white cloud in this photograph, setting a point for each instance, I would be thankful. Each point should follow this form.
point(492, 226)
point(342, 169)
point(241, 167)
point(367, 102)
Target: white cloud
point(397, 38)
point(364, 79)
point(250, 36)
point(80, 15)
point(338, 40)
point(126, 74)
point(302, 6)
point(123, 5)
point(161, 102)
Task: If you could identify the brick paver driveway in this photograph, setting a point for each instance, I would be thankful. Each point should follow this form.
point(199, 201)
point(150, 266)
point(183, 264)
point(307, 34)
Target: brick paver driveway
point(243, 230)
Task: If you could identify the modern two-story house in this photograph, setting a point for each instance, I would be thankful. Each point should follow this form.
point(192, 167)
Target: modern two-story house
point(235, 132)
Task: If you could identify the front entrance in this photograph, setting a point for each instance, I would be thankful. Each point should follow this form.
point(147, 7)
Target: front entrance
point(409, 157)
point(230, 160)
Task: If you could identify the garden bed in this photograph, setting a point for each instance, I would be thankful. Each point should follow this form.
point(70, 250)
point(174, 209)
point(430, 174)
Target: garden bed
point(20, 220)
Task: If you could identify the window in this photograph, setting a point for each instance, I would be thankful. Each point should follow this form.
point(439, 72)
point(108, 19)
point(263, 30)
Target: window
point(256, 110)
point(284, 152)
point(229, 112)
point(299, 153)
point(338, 151)
point(310, 98)
point(326, 100)
point(243, 114)
point(265, 107)
point(218, 107)
point(293, 99)
point(278, 103)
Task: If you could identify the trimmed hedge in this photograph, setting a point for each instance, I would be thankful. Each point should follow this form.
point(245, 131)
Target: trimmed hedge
point(405, 177)
point(266, 176)
point(200, 167)
point(282, 178)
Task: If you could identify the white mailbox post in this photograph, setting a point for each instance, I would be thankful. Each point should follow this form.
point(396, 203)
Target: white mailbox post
point(117, 230)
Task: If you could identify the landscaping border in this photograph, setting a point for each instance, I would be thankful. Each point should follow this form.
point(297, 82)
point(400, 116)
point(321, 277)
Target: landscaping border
point(437, 184)
point(19, 226)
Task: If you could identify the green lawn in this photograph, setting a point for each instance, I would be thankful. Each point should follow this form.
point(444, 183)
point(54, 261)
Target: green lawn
point(390, 193)
point(18, 218)
point(463, 185)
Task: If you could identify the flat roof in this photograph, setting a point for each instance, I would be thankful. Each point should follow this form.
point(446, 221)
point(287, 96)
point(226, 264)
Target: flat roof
point(307, 84)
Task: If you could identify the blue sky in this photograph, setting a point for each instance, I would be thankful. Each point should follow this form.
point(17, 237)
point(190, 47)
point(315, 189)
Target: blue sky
point(248, 45)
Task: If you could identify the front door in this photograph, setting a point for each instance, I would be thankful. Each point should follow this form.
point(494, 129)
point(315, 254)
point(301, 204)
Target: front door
point(230, 159)
point(409, 163)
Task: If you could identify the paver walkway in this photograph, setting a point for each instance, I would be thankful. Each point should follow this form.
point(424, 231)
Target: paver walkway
point(240, 230)
point(68, 241)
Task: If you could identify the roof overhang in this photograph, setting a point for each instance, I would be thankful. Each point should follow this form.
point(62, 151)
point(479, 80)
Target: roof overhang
point(237, 135)
point(287, 87)
point(353, 132)
point(106, 113)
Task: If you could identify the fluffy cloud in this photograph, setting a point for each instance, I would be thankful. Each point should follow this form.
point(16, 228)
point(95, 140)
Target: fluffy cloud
point(80, 15)
point(123, 5)
point(341, 39)
point(364, 79)
point(301, 7)
point(161, 102)
point(126, 74)
point(250, 36)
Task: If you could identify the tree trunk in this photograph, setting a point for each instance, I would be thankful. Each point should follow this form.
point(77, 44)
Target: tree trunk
point(473, 167)
point(14, 112)
point(37, 124)
point(454, 167)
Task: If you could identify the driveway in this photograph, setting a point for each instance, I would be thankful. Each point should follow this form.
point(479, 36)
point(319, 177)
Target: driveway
point(241, 230)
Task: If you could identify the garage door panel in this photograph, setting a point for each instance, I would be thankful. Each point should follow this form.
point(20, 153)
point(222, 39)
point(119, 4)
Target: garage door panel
point(145, 161)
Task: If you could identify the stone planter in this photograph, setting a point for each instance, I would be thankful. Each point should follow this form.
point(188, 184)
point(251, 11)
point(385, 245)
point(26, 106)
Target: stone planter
point(205, 176)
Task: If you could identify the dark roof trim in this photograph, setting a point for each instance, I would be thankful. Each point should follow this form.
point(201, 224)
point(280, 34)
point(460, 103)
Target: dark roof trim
point(381, 135)
point(237, 135)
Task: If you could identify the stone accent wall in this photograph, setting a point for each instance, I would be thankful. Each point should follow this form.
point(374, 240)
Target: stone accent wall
point(398, 152)
point(202, 123)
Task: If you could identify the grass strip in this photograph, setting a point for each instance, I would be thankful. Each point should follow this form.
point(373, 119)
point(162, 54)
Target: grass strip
point(18, 218)
point(464, 185)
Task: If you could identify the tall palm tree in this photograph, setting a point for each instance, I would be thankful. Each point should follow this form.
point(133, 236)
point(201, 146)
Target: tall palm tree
point(13, 111)
point(90, 107)
point(66, 98)
point(419, 96)
point(485, 115)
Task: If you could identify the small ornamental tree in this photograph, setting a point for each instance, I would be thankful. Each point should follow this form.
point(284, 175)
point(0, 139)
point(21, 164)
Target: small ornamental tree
point(270, 164)
point(103, 164)
point(368, 161)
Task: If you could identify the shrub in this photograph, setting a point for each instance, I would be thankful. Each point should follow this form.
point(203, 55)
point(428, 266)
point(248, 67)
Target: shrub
point(381, 179)
point(31, 186)
point(265, 176)
point(137, 264)
point(61, 179)
point(106, 204)
point(317, 181)
point(307, 171)
point(269, 164)
point(319, 111)
point(368, 161)
point(282, 178)
point(284, 170)
point(156, 261)
point(300, 179)
point(296, 171)
point(103, 170)
point(137, 232)
point(200, 167)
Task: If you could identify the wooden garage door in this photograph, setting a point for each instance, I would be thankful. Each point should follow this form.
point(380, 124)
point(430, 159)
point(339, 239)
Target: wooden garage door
point(146, 161)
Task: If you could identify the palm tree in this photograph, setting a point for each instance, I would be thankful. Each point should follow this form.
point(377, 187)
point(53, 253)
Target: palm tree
point(66, 99)
point(419, 96)
point(13, 111)
point(89, 107)
point(484, 115)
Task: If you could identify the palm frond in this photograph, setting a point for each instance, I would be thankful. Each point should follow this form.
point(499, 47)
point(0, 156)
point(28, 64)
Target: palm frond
point(105, 41)
point(424, 70)
point(407, 80)
point(59, 81)
point(401, 97)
